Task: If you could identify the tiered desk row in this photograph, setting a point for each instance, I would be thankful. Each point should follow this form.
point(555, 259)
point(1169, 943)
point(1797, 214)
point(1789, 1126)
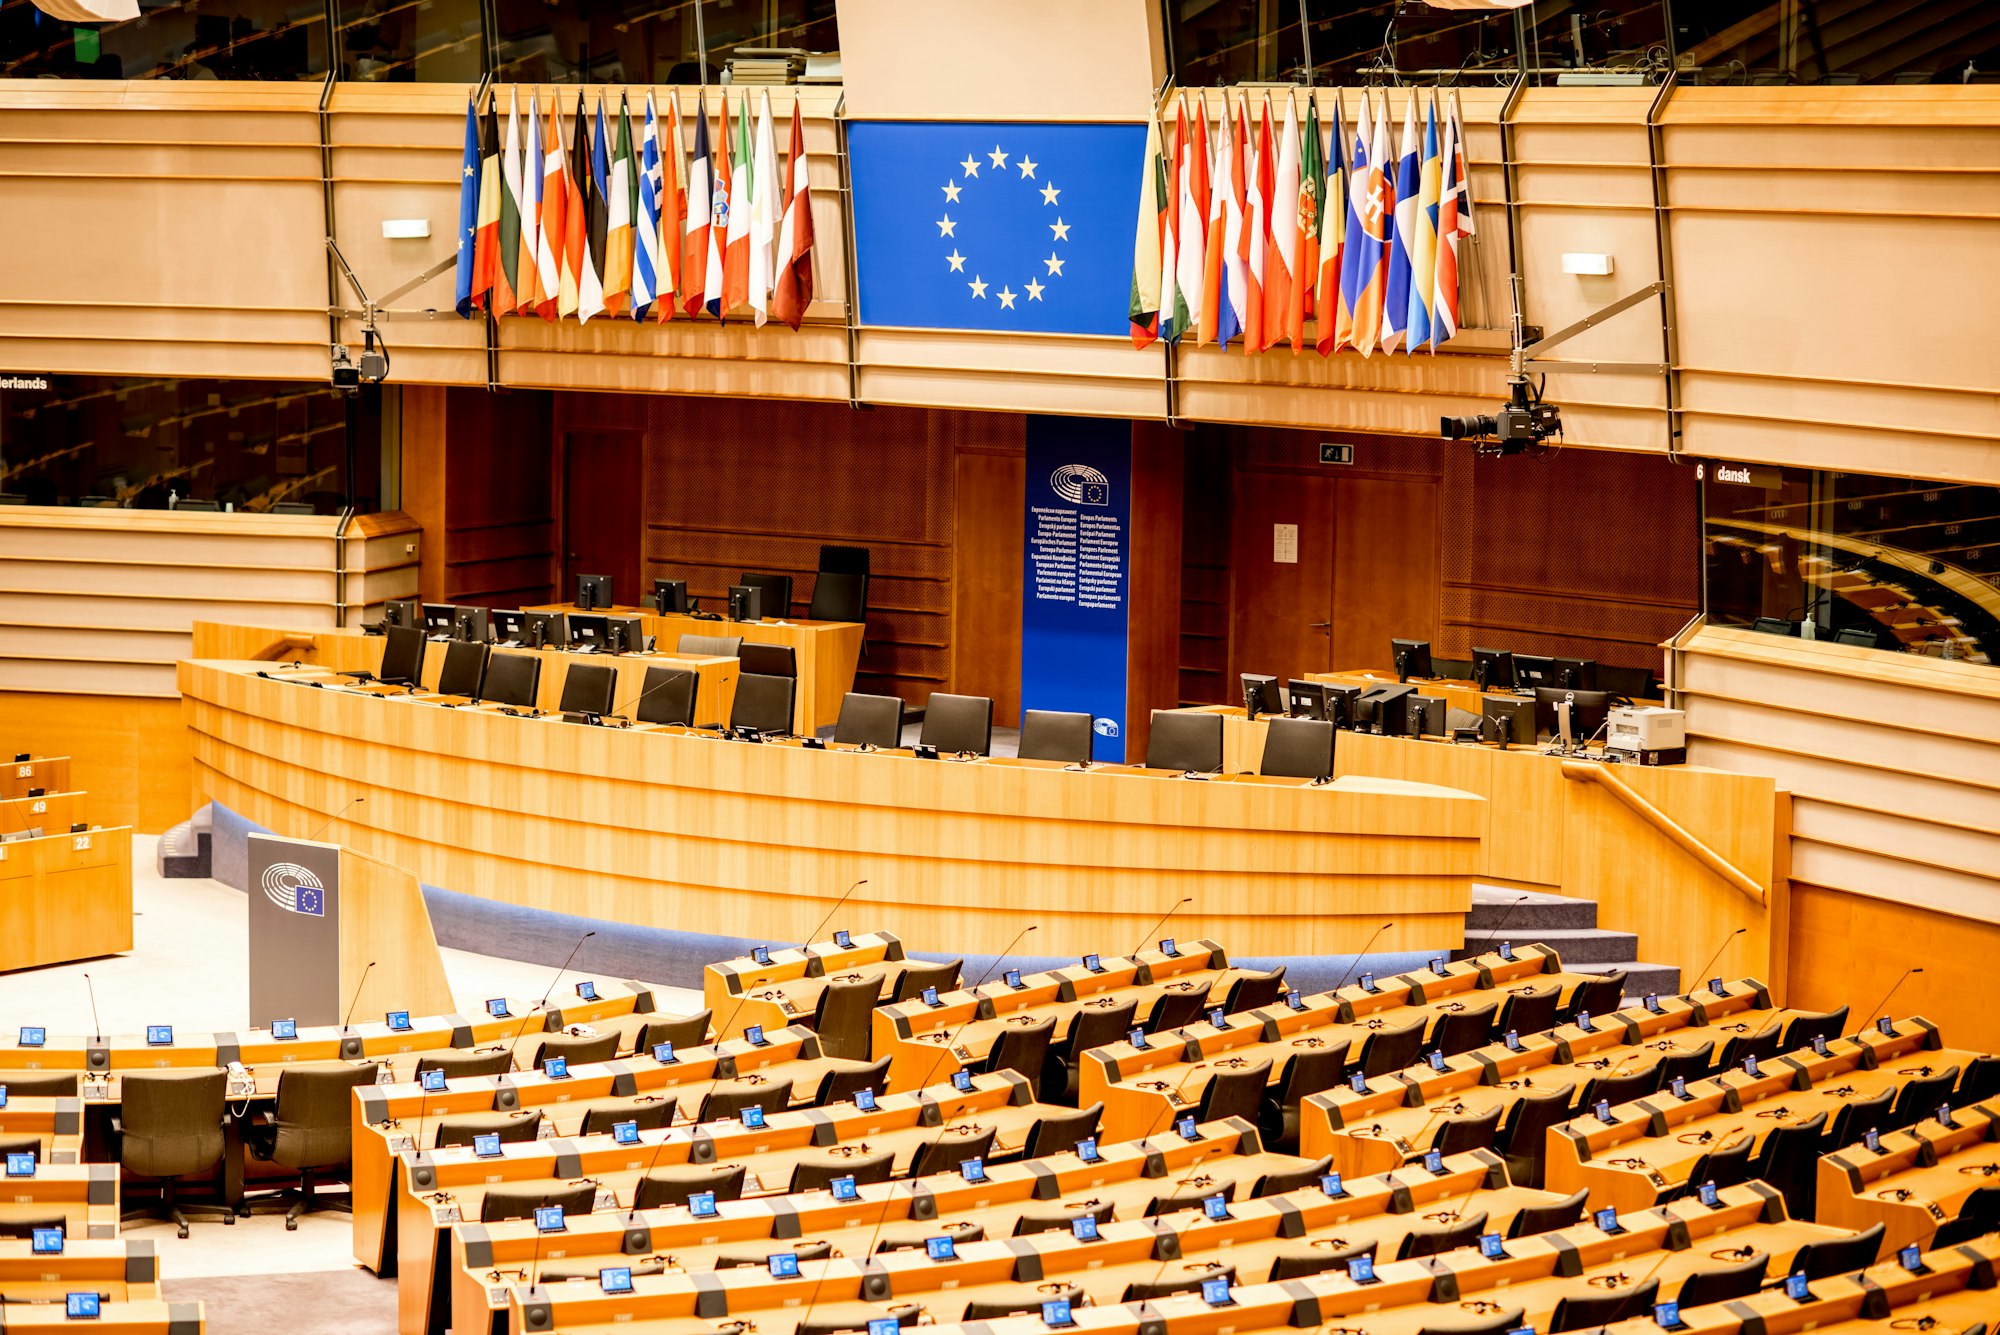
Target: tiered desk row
point(65, 888)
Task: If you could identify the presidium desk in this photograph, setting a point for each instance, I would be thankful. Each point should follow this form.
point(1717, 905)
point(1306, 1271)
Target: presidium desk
point(673, 828)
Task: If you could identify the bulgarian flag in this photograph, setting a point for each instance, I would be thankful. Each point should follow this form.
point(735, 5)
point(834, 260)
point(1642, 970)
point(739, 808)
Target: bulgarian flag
point(1146, 233)
point(507, 282)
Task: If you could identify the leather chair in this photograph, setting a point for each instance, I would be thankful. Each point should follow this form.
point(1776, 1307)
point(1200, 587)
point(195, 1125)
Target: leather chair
point(1062, 1132)
point(40, 1084)
point(839, 596)
point(1283, 1180)
point(1534, 1219)
point(1316, 1256)
point(1723, 1283)
point(816, 1174)
point(1052, 734)
point(1593, 1311)
point(170, 1127)
point(1236, 1093)
point(1391, 1049)
point(1306, 1072)
point(1189, 1281)
point(768, 660)
point(843, 1015)
point(588, 687)
point(1175, 1010)
point(1021, 1048)
point(464, 670)
point(1428, 1239)
point(1528, 1011)
point(1789, 1161)
point(513, 679)
point(683, 1031)
point(764, 703)
point(869, 720)
point(1185, 741)
point(1601, 995)
point(1838, 1256)
point(1253, 991)
point(848, 1078)
point(1801, 1030)
point(577, 1049)
point(1618, 1089)
point(674, 1184)
point(402, 656)
point(757, 1256)
point(1857, 1117)
point(457, 1062)
point(1763, 1046)
point(520, 1200)
point(668, 696)
point(513, 1128)
point(1474, 1131)
point(1512, 1318)
point(710, 646)
point(1919, 1099)
point(1694, 1064)
point(954, 723)
point(1297, 748)
point(1091, 1027)
point(773, 1096)
point(920, 974)
point(646, 1116)
point(311, 1129)
point(1465, 1030)
point(1522, 1139)
point(947, 1152)
point(775, 593)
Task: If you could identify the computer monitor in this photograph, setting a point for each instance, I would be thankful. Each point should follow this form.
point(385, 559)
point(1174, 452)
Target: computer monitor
point(1575, 674)
point(1260, 694)
point(1775, 626)
point(1507, 720)
point(1531, 671)
point(670, 596)
point(510, 627)
point(1305, 699)
point(1412, 658)
point(1426, 716)
point(593, 591)
point(438, 618)
point(746, 603)
point(1588, 710)
point(1858, 637)
point(473, 624)
point(589, 631)
point(1631, 683)
point(1380, 709)
point(1493, 669)
point(405, 612)
point(546, 630)
point(1340, 702)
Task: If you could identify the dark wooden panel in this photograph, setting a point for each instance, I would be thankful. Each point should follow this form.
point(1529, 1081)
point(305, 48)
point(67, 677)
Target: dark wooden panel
point(1385, 568)
point(986, 580)
point(1273, 604)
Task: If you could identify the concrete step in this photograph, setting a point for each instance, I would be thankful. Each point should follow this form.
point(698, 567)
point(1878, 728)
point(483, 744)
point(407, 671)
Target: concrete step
point(1640, 979)
point(1513, 912)
point(1610, 949)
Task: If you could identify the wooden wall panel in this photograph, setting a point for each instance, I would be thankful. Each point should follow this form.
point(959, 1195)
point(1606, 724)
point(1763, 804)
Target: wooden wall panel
point(477, 471)
point(986, 579)
point(128, 753)
point(1153, 580)
point(1849, 950)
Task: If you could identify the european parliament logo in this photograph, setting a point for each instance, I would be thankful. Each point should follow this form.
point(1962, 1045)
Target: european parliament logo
point(995, 227)
point(294, 889)
point(1080, 484)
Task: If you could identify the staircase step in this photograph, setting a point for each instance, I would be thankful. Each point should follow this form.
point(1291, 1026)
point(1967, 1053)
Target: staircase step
point(1641, 979)
point(1594, 948)
point(1515, 911)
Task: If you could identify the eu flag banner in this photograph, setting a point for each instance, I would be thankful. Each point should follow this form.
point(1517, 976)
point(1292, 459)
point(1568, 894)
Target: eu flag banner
point(1021, 228)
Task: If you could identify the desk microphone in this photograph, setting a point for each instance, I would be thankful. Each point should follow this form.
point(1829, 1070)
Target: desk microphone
point(1363, 955)
point(522, 1031)
point(1880, 1007)
point(636, 701)
point(1172, 1253)
point(1505, 918)
point(97, 1024)
point(835, 909)
point(356, 1001)
point(1147, 934)
point(334, 817)
point(1688, 996)
point(952, 1042)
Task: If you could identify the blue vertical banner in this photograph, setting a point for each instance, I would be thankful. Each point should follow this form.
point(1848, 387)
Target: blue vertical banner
point(1075, 576)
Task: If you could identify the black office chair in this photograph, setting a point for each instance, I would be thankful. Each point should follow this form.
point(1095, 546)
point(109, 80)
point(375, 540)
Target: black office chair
point(668, 696)
point(170, 1127)
point(1601, 995)
point(1176, 1010)
point(1694, 1064)
point(768, 660)
point(1801, 1030)
point(1980, 1082)
point(775, 593)
point(1059, 1133)
point(647, 1116)
point(1188, 1194)
point(1742, 1047)
point(1838, 1256)
point(848, 1078)
point(1523, 1141)
point(1253, 991)
point(575, 1049)
point(1091, 1027)
point(1473, 1131)
point(709, 646)
point(1535, 1219)
point(41, 1084)
point(402, 656)
point(1054, 734)
point(1184, 741)
point(459, 1062)
point(949, 1150)
point(310, 1131)
point(588, 688)
point(1435, 1239)
point(1281, 1181)
point(1512, 1318)
point(913, 1236)
point(1317, 1256)
point(1462, 1031)
point(1391, 1049)
point(869, 720)
point(683, 1031)
point(1789, 1162)
point(513, 1128)
point(1723, 1283)
point(1234, 1093)
point(1857, 1117)
point(1529, 1011)
point(1596, 1310)
point(816, 1175)
point(676, 1183)
point(839, 596)
point(1978, 1215)
point(764, 703)
point(1728, 1166)
point(773, 1096)
point(520, 1200)
point(958, 723)
point(757, 1255)
point(1061, 1217)
point(842, 1016)
point(1297, 748)
point(920, 974)
point(1306, 1072)
point(1918, 1099)
point(513, 679)
point(1617, 1089)
point(1022, 1048)
point(464, 670)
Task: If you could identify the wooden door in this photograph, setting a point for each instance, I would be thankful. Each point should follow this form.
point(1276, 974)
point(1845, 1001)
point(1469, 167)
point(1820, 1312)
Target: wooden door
point(1385, 568)
point(602, 519)
point(1280, 610)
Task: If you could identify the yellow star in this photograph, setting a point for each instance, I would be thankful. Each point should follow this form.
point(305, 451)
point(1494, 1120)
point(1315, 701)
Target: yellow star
point(1027, 166)
point(971, 165)
point(999, 158)
point(951, 192)
point(1055, 265)
point(1060, 228)
point(947, 227)
point(1034, 290)
point(468, 171)
point(1049, 193)
point(1007, 295)
point(978, 286)
point(955, 260)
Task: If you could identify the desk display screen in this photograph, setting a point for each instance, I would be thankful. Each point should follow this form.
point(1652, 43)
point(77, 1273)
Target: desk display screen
point(754, 1036)
point(1583, 1022)
point(1607, 1220)
point(883, 1325)
point(1911, 1258)
point(1872, 1138)
point(159, 1035)
point(1491, 1246)
point(864, 1099)
point(843, 939)
point(844, 1189)
point(1437, 967)
point(1711, 1196)
point(1137, 1038)
point(1330, 1186)
point(663, 1053)
point(931, 997)
point(1215, 1292)
point(961, 1080)
point(1086, 1149)
point(549, 1219)
point(33, 1036)
point(1168, 948)
point(1013, 979)
point(1679, 1088)
point(783, 1265)
point(1361, 1270)
point(1434, 1163)
point(1188, 1129)
point(1653, 1003)
point(1507, 951)
point(1215, 1207)
point(753, 1116)
point(497, 1007)
point(81, 1306)
point(433, 1081)
point(615, 1279)
point(1513, 1040)
point(1084, 1228)
point(1819, 1045)
point(972, 1170)
point(1218, 1019)
point(486, 1147)
point(284, 1029)
point(46, 1242)
point(1750, 1065)
point(1715, 988)
point(398, 1021)
point(1295, 999)
point(1055, 1313)
point(940, 1249)
point(1091, 963)
point(1798, 1288)
point(587, 989)
point(702, 1205)
point(1368, 983)
point(761, 954)
point(625, 1133)
point(1667, 1316)
point(1358, 1082)
point(1603, 1111)
point(556, 1068)
point(20, 1163)
point(1437, 1060)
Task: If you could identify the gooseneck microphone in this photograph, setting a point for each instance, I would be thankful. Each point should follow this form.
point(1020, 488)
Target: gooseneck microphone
point(95, 1023)
point(355, 1000)
point(1505, 918)
point(1147, 934)
point(334, 817)
point(1880, 1008)
point(814, 934)
point(522, 1031)
point(952, 1042)
point(1688, 996)
point(1363, 955)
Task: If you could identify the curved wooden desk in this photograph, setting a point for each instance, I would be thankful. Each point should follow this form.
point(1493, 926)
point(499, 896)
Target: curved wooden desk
point(698, 834)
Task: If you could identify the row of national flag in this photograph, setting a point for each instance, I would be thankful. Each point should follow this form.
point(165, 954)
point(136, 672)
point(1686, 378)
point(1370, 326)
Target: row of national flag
point(625, 226)
point(1248, 232)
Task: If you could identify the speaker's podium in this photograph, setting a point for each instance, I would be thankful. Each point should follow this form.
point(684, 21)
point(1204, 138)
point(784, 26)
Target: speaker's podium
point(332, 930)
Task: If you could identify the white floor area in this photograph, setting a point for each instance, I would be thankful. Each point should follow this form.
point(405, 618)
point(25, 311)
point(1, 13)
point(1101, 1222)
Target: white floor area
point(189, 966)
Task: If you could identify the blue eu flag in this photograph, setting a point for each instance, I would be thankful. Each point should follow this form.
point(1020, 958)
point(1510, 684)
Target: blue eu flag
point(1017, 228)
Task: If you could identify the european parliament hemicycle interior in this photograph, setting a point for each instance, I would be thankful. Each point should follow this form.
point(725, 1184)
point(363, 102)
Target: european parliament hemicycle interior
point(1143, 667)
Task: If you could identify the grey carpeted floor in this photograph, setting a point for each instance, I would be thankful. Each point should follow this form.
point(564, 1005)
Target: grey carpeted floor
point(326, 1302)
